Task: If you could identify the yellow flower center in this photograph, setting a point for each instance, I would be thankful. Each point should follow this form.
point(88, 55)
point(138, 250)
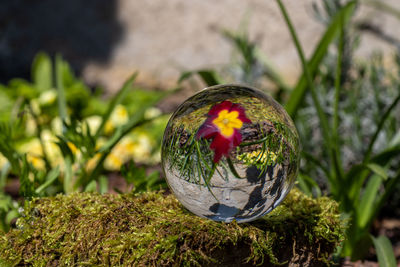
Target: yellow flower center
point(227, 122)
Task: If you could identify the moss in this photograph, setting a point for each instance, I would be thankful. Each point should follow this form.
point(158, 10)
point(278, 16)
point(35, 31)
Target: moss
point(153, 229)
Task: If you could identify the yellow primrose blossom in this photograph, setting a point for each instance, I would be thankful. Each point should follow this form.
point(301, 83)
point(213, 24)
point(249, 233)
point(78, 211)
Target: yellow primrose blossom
point(34, 153)
point(30, 125)
point(142, 147)
point(113, 162)
point(73, 148)
point(3, 161)
point(92, 163)
point(152, 112)
point(47, 97)
point(118, 117)
point(94, 123)
point(34, 104)
point(56, 126)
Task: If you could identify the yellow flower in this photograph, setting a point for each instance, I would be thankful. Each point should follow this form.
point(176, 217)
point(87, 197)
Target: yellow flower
point(57, 125)
point(47, 97)
point(227, 122)
point(73, 148)
point(152, 112)
point(36, 161)
point(30, 125)
point(34, 153)
point(3, 161)
point(142, 147)
point(258, 157)
point(94, 123)
point(34, 103)
point(119, 116)
point(92, 163)
point(113, 162)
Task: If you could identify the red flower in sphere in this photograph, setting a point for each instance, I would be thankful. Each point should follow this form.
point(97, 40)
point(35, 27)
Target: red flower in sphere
point(222, 126)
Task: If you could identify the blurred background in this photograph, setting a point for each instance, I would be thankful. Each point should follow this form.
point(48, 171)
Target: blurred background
point(87, 88)
point(105, 41)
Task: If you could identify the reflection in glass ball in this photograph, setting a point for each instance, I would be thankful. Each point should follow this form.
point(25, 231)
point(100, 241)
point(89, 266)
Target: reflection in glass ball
point(230, 152)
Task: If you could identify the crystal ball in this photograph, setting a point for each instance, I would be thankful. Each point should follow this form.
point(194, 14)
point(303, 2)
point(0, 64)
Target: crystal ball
point(230, 152)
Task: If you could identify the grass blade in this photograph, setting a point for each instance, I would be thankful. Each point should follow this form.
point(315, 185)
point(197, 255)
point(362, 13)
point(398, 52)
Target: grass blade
point(50, 178)
point(298, 93)
point(378, 170)
point(320, 112)
point(210, 77)
point(365, 208)
point(62, 102)
point(115, 101)
point(384, 250)
point(379, 128)
point(42, 72)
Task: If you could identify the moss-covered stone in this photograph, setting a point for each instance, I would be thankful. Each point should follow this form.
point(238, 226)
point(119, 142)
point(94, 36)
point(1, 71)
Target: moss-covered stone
point(153, 229)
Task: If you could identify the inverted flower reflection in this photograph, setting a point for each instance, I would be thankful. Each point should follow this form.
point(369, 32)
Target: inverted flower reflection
point(222, 126)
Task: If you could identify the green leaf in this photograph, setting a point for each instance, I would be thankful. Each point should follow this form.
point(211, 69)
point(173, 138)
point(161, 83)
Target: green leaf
point(91, 186)
point(68, 182)
point(103, 184)
point(308, 185)
point(382, 121)
point(366, 207)
point(377, 169)
point(210, 77)
point(42, 72)
point(62, 102)
point(384, 251)
point(12, 214)
point(298, 93)
point(115, 101)
point(5, 170)
point(50, 178)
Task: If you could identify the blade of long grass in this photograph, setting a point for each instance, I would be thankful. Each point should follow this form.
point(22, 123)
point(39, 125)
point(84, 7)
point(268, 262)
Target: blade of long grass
point(42, 72)
point(321, 114)
point(379, 128)
point(384, 156)
point(50, 178)
point(210, 77)
point(115, 101)
point(378, 170)
point(308, 185)
point(338, 84)
point(3, 175)
point(380, 5)
point(390, 188)
point(68, 183)
point(298, 93)
point(62, 102)
point(365, 208)
point(384, 251)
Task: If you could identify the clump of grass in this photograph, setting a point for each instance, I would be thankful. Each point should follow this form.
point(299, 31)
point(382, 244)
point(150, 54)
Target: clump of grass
point(153, 229)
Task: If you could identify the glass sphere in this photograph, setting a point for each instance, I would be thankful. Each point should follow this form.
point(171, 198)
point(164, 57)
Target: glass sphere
point(230, 152)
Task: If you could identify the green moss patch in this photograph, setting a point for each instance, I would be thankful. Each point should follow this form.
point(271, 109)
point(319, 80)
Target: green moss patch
point(153, 229)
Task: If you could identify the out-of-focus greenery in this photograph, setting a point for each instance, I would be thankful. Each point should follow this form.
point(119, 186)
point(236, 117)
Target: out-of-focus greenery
point(59, 136)
point(346, 111)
